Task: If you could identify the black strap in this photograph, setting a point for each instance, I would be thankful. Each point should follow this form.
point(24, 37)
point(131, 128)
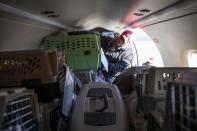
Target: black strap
point(105, 97)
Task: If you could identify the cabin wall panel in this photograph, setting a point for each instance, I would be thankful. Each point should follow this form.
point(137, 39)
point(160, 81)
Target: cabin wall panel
point(18, 34)
point(175, 39)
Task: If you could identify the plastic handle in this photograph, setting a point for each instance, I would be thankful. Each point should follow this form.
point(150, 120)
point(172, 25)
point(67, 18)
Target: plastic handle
point(105, 98)
point(87, 52)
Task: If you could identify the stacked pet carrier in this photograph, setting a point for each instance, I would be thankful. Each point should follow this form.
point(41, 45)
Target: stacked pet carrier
point(27, 67)
point(156, 117)
point(83, 53)
point(152, 86)
point(181, 110)
point(36, 70)
point(19, 109)
point(155, 85)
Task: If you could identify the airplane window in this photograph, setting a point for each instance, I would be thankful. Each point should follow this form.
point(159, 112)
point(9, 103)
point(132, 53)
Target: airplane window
point(192, 58)
point(146, 50)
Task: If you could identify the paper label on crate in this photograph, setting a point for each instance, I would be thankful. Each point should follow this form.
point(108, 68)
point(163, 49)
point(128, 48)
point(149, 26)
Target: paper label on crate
point(104, 60)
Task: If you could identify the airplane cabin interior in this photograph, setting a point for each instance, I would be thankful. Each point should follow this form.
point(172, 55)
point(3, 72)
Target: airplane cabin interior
point(56, 73)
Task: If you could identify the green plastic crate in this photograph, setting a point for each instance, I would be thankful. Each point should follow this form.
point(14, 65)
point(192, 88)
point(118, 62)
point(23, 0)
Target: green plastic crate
point(82, 51)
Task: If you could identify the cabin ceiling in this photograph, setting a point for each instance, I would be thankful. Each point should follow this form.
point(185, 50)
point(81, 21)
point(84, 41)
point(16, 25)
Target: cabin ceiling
point(19, 18)
point(89, 14)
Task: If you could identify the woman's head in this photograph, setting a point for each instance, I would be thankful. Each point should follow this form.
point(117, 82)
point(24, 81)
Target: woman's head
point(120, 40)
point(124, 38)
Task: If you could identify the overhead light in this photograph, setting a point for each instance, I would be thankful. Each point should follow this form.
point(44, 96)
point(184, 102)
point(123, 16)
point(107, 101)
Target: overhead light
point(144, 10)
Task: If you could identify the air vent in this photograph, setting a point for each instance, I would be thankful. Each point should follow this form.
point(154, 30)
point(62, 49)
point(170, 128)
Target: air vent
point(141, 12)
point(50, 14)
point(47, 12)
point(54, 15)
point(138, 14)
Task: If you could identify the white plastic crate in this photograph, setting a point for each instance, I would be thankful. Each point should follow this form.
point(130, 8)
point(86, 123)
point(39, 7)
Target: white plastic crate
point(99, 107)
point(19, 109)
point(181, 109)
point(157, 78)
point(155, 122)
point(44, 112)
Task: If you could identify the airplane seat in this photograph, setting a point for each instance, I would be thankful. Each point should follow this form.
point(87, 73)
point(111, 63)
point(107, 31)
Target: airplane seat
point(99, 106)
point(126, 83)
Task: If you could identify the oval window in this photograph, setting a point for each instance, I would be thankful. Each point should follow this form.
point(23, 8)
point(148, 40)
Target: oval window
point(192, 58)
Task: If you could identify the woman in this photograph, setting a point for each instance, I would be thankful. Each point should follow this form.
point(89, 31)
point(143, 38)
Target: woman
point(119, 55)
